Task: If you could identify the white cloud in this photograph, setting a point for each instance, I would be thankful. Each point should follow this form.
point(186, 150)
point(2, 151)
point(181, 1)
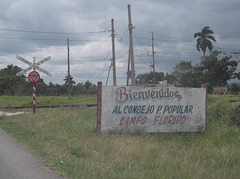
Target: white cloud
point(173, 24)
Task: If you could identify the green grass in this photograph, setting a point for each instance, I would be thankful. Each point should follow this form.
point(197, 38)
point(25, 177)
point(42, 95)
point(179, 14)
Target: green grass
point(45, 100)
point(66, 139)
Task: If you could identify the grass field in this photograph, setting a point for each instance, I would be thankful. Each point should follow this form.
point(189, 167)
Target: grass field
point(66, 139)
point(45, 100)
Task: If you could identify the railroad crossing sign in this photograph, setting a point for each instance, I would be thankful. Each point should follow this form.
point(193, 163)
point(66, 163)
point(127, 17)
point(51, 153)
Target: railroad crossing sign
point(33, 65)
point(34, 77)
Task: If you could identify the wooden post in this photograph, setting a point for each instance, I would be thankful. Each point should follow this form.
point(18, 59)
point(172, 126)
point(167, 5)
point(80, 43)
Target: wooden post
point(99, 106)
point(205, 86)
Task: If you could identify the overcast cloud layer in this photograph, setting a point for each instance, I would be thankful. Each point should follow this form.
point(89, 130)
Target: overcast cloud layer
point(39, 28)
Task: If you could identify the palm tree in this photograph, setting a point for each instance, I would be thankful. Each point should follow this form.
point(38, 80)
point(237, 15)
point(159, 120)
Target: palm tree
point(203, 41)
point(72, 82)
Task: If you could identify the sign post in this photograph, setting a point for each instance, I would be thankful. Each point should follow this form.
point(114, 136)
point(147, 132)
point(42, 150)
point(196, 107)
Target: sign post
point(33, 76)
point(34, 98)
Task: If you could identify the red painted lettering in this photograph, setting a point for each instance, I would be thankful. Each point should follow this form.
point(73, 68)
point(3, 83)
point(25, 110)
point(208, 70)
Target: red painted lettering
point(122, 121)
point(183, 120)
point(179, 119)
point(156, 119)
point(133, 120)
point(171, 120)
point(165, 120)
point(121, 95)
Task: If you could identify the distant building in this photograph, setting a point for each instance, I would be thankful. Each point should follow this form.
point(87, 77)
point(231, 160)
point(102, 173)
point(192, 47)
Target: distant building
point(163, 84)
point(219, 89)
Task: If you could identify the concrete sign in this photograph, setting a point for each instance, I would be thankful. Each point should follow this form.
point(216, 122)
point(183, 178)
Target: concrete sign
point(152, 109)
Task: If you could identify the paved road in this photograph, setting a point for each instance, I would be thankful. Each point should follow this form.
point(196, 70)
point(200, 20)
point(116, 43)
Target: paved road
point(16, 162)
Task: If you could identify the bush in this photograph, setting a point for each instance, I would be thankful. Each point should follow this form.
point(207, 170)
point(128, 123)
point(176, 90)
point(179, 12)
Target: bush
point(209, 88)
point(235, 88)
point(235, 119)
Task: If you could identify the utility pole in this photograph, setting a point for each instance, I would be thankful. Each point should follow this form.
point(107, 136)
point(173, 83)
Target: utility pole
point(69, 85)
point(113, 55)
point(130, 26)
point(153, 66)
point(128, 71)
point(108, 73)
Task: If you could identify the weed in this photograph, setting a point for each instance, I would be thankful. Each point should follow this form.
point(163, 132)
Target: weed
point(235, 119)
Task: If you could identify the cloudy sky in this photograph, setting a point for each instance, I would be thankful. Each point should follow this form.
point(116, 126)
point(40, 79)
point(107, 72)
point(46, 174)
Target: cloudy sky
point(40, 28)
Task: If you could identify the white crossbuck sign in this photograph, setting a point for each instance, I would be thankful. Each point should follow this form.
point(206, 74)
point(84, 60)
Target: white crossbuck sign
point(33, 65)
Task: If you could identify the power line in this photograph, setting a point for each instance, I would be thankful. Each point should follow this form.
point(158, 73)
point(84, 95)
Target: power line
point(23, 38)
point(49, 39)
point(176, 38)
point(51, 32)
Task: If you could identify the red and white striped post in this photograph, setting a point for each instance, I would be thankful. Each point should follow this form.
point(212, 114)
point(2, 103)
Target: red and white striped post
point(34, 98)
point(34, 88)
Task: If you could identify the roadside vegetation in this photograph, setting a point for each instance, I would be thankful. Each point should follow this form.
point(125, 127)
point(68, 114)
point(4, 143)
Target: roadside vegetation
point(66, 139)
point(6, 101)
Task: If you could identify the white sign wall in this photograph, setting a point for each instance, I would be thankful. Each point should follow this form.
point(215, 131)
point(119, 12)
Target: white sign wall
point(152, 109)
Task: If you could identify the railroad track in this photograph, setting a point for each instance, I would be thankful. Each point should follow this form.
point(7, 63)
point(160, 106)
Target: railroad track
point(51, 106)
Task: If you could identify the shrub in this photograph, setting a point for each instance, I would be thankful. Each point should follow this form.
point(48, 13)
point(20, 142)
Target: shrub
point(235, 119)
point(235, 88)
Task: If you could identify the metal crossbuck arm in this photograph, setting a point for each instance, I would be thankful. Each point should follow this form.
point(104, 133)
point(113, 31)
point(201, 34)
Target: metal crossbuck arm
point(44, 71)
point(23, 71)
point(25, 61)
point(33, 65)
point(44, 60)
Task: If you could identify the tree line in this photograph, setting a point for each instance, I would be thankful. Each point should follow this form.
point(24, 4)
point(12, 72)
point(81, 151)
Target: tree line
point(213, 70)
point(10, 84)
